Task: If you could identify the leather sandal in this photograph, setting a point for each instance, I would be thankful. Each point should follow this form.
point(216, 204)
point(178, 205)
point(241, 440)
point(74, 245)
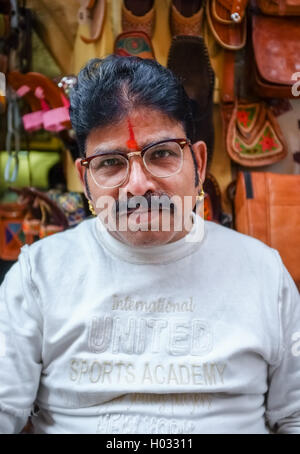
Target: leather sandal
point(132, 22)
point(17, 80)
point(92, 12)
point(186, 25)
point(189, 60)
point(50, 108)
point(57, 117)
point(134, 44)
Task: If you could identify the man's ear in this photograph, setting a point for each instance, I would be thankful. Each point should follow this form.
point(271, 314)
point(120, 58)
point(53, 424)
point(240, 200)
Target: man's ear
point(81, 170)
point(200, 151)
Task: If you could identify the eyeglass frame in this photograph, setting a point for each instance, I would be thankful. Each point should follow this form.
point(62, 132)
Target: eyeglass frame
point(182, 142)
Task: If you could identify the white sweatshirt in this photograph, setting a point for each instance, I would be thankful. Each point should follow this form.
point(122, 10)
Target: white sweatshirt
point(182, 338)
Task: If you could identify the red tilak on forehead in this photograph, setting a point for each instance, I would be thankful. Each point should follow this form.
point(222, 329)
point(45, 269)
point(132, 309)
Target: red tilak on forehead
point(131, 142)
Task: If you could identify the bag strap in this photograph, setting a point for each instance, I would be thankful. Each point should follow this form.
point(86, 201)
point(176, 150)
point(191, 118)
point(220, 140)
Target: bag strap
point(228, 99)
point(58, 215)
point(227, 92)
point(31, 194)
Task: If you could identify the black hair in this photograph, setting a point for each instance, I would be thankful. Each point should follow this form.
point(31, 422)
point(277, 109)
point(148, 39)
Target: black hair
point(108, 89)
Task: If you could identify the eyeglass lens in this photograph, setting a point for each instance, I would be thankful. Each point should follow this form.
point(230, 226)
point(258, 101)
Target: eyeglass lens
point(161, 160)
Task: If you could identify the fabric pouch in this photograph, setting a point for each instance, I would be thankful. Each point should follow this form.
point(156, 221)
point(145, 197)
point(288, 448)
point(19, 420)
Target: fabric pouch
point(254, 137)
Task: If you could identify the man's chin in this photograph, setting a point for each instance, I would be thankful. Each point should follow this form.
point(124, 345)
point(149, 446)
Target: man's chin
point(146, 238)
point(147, 228)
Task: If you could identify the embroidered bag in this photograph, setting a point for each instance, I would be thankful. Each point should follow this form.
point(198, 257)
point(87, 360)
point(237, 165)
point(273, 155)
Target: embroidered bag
point(254, 137)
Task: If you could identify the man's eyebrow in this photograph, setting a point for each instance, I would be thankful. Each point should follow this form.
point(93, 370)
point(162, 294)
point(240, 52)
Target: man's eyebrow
point(101, 149)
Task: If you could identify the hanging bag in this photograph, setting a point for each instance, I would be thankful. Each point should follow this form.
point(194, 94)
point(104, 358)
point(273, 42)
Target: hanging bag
point(276, 49)
point(280, 7)
point(267, 207)
point(252, 134)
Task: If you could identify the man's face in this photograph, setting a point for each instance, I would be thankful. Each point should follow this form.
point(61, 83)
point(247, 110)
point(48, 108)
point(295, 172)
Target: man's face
point(142, 127)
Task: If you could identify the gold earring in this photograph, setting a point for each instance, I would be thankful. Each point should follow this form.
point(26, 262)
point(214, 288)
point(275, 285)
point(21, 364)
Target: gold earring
point(91, 208)
point(201, 194)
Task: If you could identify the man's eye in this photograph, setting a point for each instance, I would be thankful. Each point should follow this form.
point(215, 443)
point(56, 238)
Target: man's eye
point(161, 154)
point(111, 162)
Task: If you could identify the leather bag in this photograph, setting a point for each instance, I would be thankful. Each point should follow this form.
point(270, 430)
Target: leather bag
point(276, 48)
point(227, 21)
point(280, 7)
point(267, 207)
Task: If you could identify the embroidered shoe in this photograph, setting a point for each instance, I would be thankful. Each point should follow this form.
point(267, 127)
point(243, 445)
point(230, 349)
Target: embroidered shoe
point(186, 25)
point(132, 22)
point(134, 44)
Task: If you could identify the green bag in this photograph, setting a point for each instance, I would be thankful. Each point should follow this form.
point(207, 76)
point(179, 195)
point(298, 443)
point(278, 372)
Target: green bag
point(26, 168)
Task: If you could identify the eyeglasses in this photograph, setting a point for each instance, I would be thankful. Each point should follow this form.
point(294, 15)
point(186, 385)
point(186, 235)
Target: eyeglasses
point(162, 159)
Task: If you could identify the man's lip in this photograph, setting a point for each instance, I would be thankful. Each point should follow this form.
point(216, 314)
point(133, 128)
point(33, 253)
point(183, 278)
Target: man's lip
point(139, 211)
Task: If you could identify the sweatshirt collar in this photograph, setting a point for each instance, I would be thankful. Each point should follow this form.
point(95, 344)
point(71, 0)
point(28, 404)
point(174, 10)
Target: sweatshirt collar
point(161, 254)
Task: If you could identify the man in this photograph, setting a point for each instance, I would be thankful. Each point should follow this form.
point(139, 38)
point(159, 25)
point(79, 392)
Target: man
point(138, 329)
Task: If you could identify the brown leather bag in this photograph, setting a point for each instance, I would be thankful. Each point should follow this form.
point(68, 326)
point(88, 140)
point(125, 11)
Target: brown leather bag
point(267, 207)
point(276, 46)
point(227, 21)
point(280, 7)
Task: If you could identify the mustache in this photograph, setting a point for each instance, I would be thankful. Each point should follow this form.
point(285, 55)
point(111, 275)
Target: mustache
point(148, 201)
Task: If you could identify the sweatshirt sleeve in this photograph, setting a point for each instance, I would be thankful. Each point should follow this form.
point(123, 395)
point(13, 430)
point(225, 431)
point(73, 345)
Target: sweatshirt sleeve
point(20, 345)
point(283, 399)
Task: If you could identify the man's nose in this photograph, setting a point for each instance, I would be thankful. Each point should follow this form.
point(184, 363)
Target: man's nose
point(139, 179)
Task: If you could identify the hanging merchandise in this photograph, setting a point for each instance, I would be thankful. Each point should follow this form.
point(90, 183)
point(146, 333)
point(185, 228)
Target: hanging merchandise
point(12, 237)
point(53, 112)
point(34, 216)
point(71, 203)
point(134, 44)
point(27, 168)
point(267, 207)
point(252, 134)
point(23, 167)
point(92, 12)
point(189, 60)
point(254, 137)
point(227, 21)
point(187, 18)
point(133, 20)
point(280, 7)
point(276, 48)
